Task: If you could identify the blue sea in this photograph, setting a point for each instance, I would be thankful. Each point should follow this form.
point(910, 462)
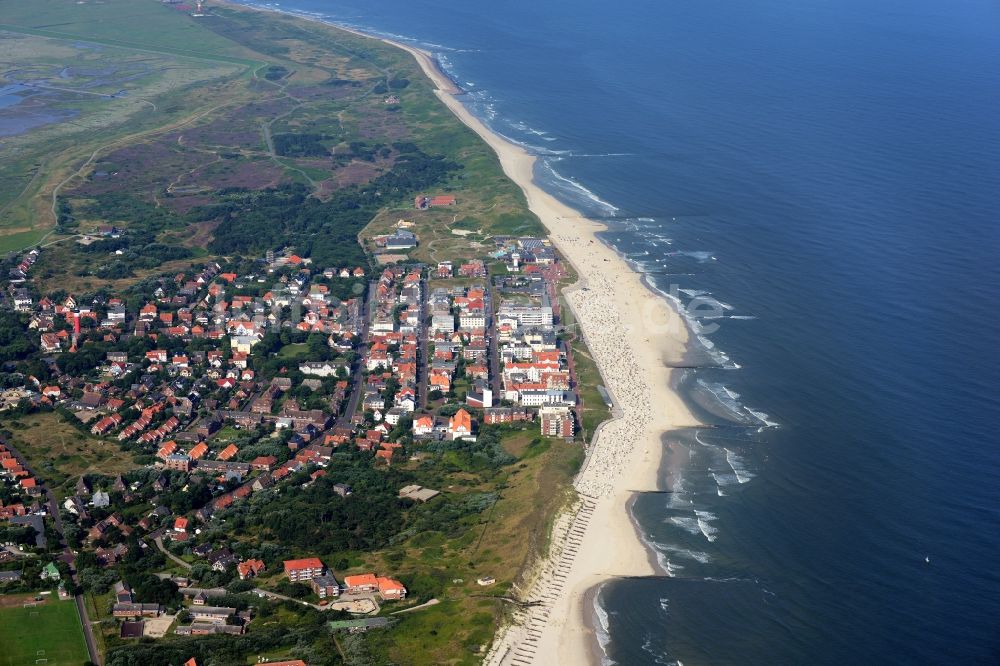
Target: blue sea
point(817, 184)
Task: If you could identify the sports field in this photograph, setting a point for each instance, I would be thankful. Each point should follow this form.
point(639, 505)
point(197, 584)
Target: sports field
point(49, 633)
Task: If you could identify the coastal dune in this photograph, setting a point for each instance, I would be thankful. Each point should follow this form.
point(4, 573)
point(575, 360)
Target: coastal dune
point(630, 331)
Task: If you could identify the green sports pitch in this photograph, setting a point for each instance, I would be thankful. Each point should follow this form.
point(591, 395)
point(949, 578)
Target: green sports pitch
point(44, 634)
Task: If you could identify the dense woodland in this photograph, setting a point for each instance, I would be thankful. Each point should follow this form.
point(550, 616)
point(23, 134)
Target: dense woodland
point(326, 231)
point(137, 248)
point(14, 344)
point(373, 517)
point(301, 145)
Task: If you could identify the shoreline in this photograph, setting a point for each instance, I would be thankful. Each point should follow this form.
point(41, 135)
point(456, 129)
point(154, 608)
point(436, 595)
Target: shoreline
point(612, 545)
point(620, 315)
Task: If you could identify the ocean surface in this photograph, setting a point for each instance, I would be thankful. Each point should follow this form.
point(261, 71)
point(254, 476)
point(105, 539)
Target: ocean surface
point(817, 183)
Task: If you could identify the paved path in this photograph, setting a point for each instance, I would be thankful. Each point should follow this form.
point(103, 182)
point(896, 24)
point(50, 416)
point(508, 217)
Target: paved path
point(426, 604)
point(88, 631)
point(344, 597)
point(207, 591)
point(177, 560)
point(275, 595)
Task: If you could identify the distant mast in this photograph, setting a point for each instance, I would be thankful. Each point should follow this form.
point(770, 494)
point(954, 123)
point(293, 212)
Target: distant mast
point(76, 331)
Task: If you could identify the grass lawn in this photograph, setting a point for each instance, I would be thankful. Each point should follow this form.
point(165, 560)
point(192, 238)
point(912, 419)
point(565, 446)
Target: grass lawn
point(51, 631)
point(147, 26)
point(59, 453)
point(293, 350)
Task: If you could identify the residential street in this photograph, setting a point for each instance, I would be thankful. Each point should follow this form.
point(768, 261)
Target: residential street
point(423, 333)
point(492, 341)
point(358, 388)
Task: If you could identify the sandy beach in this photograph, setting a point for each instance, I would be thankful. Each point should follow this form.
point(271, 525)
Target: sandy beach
point(630, 331)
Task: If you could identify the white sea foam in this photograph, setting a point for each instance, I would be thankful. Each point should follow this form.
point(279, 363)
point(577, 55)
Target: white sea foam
point(696, 555)
point(739, 469)
point(647, 647)
point(687, 523)
point(704, 524)
point(724, 395)
point(720, 357)
point(677, 500)
point(525, 127)
point(764, 418)
point(601, 625)
point(701, 255)
point(713, 302)
point(577, 188)
point(724, 479)
point(572, 154)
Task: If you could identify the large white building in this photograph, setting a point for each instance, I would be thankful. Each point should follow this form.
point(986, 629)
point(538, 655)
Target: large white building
point(525, 315)
point(536, 398)
point(322, 369)
point(471, 321)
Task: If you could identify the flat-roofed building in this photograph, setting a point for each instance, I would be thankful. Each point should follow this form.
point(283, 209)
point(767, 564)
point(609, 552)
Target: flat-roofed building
point(325, 586)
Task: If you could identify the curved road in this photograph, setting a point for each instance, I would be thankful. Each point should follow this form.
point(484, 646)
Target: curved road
point(176, 560)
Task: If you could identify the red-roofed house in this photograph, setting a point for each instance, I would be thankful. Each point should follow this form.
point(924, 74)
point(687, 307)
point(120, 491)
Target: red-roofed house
point(167, 449)
point(263, 463)
point(303, 569)
point(228, 452)
point(361, 583)
point(390, 588)
point(250, 568)
point(423, 425)
point(460, 425)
